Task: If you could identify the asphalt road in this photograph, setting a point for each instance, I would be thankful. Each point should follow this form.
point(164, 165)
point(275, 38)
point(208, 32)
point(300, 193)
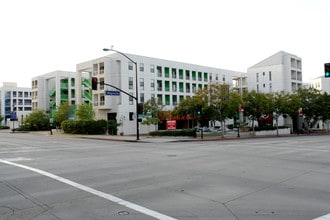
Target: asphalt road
point(56, 177)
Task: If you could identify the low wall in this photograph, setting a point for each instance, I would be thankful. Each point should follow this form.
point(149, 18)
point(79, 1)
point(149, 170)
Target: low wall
point(282, 131)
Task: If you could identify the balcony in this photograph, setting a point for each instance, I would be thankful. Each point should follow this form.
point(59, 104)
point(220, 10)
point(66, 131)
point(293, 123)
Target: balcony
point(87, 83)
point(64, 97)
point(87, 95)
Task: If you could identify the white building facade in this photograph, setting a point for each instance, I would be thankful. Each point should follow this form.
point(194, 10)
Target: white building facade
point(281, 72)
point(14, 101)
point(166, 81)
point(321, 83)
point(51, 89)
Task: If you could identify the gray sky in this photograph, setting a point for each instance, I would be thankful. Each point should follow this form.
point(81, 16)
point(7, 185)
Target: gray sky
point(41, 36)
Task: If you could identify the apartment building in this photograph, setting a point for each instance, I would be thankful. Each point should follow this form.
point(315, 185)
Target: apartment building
point(166, 81)
point(279, 72)
point(15, 103)
point(321, 83)
point(52, 89)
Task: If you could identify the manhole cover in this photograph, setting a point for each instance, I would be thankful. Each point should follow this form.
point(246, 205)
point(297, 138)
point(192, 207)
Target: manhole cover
point(123, 213)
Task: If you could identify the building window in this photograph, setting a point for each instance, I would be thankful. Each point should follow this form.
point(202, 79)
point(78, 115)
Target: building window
point(216, 77)
point(193, 87)
point(187, 75)
point(130, 99)
point(167, 72)
point(131, 114)
point(159, 85)
point(130, 83)
point(263, 73)
point(175, 99)
point(173, 73)
point(187, 87)
point(199, 76)
point(270, 88)
point(167, 86)
point(180, 73)
point(257, 77)
point(174, 87)
point(193, 75)
point(257, 88)
point(152, 68)
point(130, 66)
point(270, 75)
point(141, 84)
point(102, 100)
point(159, 71)
point(141, 67)
point(223, 78)
point(167, 100)
point(160, 99)
point(141, 97)
point(205, 77)
point(152, 85)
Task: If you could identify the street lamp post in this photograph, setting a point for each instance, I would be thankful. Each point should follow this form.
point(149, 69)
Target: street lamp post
point(136, 89)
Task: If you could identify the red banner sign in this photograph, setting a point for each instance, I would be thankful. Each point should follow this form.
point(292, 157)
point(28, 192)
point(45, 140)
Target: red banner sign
point(171, 125)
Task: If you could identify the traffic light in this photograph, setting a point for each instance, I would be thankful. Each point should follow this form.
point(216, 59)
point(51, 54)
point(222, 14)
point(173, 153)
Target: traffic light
point(327, 70)
point(94, 83)
point(199, 110)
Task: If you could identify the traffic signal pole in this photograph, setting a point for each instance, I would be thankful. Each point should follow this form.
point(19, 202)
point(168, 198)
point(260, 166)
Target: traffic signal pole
point(94, 87)
point(136, 89)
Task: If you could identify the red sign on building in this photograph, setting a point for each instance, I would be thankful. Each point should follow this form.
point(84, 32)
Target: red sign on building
point(171, 125)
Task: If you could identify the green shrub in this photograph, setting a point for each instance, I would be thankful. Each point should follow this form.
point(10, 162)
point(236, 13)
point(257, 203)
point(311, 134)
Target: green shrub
point(84, 126)
point(184, 132)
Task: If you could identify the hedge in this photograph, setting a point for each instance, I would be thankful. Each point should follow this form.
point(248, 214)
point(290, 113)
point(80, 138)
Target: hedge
point(184, 132)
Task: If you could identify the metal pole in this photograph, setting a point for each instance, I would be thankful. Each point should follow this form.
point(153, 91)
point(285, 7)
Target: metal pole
point(137, 103)
point(136, 89)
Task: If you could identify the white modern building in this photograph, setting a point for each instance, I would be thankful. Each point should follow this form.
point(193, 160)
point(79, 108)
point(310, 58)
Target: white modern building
point(166, 81)
point(51, 89)
point(15, 103)
point(321, 83)
point(279, 72)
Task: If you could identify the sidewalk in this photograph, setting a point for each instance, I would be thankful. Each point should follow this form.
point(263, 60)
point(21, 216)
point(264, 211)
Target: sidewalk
point(160, 139)
point(157, 139)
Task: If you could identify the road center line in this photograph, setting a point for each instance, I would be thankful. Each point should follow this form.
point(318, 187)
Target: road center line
point(109, 197)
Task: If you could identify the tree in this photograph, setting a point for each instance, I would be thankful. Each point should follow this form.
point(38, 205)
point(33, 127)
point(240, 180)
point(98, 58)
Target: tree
point(62, 113)
point(1, 118)
point(188, 107)
point(218, 98)
point(85, 112)
point(36, 121)
point(290, 106)
point(151, 111)
point(256, 105)
point(310, 104)
point(325, 108)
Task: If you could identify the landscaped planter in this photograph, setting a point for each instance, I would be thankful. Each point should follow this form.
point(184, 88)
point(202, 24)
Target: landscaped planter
point(282, 131)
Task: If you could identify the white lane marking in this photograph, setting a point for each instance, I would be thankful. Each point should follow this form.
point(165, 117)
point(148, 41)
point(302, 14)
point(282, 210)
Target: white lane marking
point(109, 197)
point(325, 217)
point(17, 159)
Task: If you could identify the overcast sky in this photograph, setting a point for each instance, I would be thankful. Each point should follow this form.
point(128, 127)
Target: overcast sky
point(41, 36)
